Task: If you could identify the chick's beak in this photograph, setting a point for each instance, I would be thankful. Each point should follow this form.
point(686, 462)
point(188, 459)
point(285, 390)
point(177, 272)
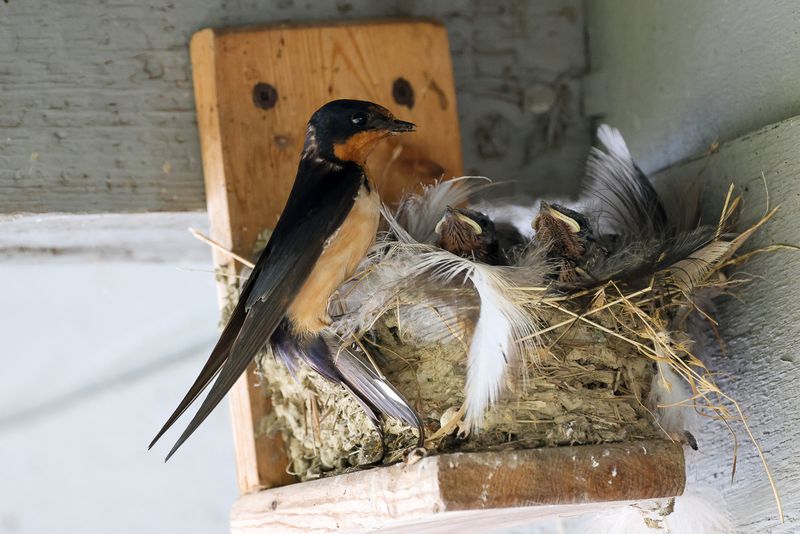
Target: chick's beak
point(448, 214)
point(545, 209)
point(398, 126)
point(466, 219)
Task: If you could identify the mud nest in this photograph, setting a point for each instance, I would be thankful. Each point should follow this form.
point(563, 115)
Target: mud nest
point(592, 377)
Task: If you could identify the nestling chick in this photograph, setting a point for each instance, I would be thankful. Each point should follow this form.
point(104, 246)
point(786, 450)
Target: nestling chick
point(566, 236)
point(471, 234)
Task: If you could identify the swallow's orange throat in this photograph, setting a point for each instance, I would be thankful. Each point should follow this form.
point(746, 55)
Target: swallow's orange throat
point(359, 146)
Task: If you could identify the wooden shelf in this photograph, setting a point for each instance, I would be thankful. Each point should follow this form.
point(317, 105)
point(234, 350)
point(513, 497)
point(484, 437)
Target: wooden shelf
point(439, 493)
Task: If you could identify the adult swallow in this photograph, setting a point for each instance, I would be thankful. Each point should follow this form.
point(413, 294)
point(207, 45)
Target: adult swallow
point(325, 229)
point(472, 234)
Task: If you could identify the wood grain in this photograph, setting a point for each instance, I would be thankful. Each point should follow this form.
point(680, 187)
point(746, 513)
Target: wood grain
point(251, 149)
point(437, 490)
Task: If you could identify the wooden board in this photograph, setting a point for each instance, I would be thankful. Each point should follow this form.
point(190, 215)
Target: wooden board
point(436, 491)
point(255, 88)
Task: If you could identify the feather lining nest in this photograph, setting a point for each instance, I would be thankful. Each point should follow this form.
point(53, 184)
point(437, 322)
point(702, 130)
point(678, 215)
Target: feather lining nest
point(576, 367)
point(494, 357)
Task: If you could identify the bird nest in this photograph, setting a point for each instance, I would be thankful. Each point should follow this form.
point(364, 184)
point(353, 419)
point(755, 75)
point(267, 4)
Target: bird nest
point(517, 355)
point(605, 364)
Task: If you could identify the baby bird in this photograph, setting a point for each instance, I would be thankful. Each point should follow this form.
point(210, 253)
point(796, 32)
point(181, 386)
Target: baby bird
point(567, 238)
point(471, 234)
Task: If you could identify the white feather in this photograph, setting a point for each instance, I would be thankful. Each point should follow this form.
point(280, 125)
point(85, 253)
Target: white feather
point(614, 142)
point(504, 332)
point(700, 510)
point(492, 347)
point(671, 401)
point(503, 320)
point(419, 213)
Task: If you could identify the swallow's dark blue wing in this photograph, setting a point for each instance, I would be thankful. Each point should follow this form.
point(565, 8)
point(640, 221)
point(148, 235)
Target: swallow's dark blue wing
point(318, 204)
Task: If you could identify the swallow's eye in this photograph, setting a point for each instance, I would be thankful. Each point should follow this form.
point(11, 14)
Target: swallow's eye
point(359, 118)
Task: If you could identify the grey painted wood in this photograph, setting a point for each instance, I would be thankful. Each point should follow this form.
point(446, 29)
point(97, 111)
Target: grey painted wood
point(142, 237)
point(674, 76)
point(97, 113)
point(761, 365)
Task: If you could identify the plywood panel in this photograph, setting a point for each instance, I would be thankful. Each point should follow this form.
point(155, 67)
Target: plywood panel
point(255, 88)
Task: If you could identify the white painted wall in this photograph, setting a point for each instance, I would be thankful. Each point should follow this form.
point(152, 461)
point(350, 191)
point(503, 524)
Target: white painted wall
point(675, 76)
point(94, 358)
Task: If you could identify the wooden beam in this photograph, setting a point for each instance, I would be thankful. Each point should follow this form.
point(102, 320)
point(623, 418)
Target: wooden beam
point(255, 89)
point(142, 237)
point(435, 491)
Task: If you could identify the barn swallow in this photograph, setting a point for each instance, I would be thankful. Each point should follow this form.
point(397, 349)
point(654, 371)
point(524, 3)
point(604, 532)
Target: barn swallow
point(471, 234)
point(329, 221)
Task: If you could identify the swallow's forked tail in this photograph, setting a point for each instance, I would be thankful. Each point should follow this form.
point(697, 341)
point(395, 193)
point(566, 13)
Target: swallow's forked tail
point(372, 391)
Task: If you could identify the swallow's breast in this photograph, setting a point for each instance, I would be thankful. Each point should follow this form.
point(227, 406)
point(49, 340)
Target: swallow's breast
point(343, 252)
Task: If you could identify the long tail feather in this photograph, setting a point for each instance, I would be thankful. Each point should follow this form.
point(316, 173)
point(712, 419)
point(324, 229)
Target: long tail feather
point(244, 349)
point(209, 371)
point(375, 391)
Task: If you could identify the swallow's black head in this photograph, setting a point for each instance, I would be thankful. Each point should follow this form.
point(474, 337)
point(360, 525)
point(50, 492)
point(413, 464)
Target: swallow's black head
point(469, 234)
point(348, 130)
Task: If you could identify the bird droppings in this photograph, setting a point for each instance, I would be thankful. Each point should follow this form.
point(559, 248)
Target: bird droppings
point(614, 471)
point(595, 463)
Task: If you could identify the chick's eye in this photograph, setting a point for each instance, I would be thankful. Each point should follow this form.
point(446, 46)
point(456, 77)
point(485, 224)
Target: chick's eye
point(359, 118)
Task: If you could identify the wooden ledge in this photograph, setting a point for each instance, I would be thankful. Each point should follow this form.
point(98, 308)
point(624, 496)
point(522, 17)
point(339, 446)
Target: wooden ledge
point(438, 489)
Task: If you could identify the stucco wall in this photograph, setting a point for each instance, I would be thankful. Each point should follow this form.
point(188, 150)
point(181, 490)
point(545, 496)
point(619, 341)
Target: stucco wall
point(759, 323)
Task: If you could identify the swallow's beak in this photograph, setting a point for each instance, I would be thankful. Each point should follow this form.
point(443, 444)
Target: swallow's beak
point(398, 126)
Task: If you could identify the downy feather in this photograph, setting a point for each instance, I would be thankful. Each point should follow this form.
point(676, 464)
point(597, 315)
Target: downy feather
point(503, 321)
point(419, 213)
